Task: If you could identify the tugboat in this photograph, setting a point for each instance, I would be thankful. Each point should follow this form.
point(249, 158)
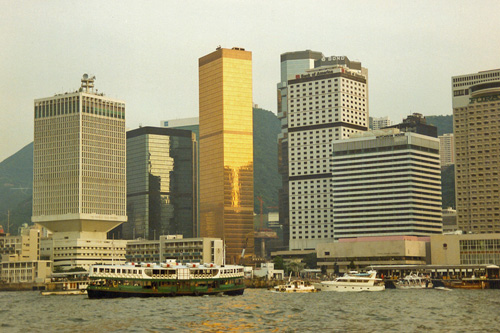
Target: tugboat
point(166, 279)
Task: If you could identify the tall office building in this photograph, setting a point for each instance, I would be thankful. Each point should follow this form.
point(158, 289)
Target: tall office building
point(380, 122)
point(476, 119)
point(79, 181)
point(447, 149)
point(226, 149)
point(327, 103)
point(386, 183)
point(161, 183)
point(292, 64)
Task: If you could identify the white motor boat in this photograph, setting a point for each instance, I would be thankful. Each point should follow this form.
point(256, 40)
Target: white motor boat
point(296, 286)
point(353, 281)
point(413, 281)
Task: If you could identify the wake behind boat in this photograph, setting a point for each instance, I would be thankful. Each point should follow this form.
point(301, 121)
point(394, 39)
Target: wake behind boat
point(353, 281)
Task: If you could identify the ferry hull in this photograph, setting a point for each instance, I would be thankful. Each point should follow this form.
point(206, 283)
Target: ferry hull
point(101, 293)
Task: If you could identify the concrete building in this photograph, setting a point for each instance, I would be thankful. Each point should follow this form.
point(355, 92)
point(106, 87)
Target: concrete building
point(476, 119)
point(447, 149)
point(20, 257)
point(79, 180)
point(465, 249)
point(327, 103)
point(183, 250)
point(450, 221)
point(267, 271)
point(162, 190)
point(380, 122)
point(292, 64)
point(365, 251)
point(226, 150)
point(23, 247)
point(385, 183)
point(416, 123)
point(25, 271)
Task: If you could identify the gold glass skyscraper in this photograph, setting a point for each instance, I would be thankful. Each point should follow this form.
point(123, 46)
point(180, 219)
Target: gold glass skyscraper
point(226, 149)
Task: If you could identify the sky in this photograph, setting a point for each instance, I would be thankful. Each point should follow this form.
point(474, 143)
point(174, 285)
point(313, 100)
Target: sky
point(146, 52)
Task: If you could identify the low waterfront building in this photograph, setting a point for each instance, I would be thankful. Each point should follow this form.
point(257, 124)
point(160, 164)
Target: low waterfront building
point(465, 249)
point(267, 271)
point(31, 271)
point(80, 252)
point(365, 251)
point(183, 250)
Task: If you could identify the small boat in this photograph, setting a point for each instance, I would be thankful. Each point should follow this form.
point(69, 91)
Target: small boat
point(467, 283)
point(353, 281)
point(296, 286)
point(166, 279)
point(442, 288)
point(413, 281)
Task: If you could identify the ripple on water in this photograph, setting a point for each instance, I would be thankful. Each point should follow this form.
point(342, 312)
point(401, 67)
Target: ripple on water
point(257, 310)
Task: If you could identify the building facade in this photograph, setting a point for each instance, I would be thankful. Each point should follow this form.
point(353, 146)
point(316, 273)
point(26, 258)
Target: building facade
point(79, 180)
point(327, 103)
point(465, 249)
point(476, 120)
point(380, 122)
point(226, 150)
point(161, 183)
point(386, 183)
point(365, 251)
point(292, 64)
point(447, 149)
point(183, 250)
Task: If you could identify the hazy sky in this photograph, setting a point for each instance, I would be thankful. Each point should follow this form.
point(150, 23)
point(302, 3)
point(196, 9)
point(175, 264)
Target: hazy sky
point(146, 52)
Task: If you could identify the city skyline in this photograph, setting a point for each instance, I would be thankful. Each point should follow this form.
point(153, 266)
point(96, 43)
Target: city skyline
point(130, 48)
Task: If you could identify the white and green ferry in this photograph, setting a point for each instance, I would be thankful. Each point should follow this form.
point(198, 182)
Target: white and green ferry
point(166, 279)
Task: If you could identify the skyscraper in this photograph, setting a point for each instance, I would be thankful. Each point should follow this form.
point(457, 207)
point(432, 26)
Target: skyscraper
point(79, 181)
point(380, 122)
point(226, 149)
point(447, 149)
point(476, 119)
point(161, 183)
point(386, 183)
point(327, 103)
point(292, 64)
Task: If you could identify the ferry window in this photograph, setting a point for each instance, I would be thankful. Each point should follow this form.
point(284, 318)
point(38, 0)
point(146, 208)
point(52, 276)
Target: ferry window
point(112, 270)
point(135, 271)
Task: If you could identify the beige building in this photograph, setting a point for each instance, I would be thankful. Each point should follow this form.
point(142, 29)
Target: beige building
point(466, 249)
point(226, 150)
point(476, 120)
point(183, 250)
point(25, 246)
point(20, 257)
point(365, 251)
point(446, 149)
point(79, 181)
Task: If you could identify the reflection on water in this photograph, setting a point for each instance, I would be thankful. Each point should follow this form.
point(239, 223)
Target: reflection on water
point(258, 310)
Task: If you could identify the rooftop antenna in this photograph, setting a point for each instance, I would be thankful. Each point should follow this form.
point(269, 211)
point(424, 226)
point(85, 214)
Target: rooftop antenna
point(87, 83)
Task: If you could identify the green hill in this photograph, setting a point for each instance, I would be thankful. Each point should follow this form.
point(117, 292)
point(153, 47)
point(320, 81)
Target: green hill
point(16, 184)
point(267, 180)
point(444, 124)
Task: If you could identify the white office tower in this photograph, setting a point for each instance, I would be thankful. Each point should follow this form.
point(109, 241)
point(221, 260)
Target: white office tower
point(327, 103)
point(380, 122)
point(386, 183)
point(476, 119)
point(79, 182)
point(447, 149)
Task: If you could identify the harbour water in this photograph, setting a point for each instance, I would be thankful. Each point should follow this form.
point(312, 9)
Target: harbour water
point(258, 310)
